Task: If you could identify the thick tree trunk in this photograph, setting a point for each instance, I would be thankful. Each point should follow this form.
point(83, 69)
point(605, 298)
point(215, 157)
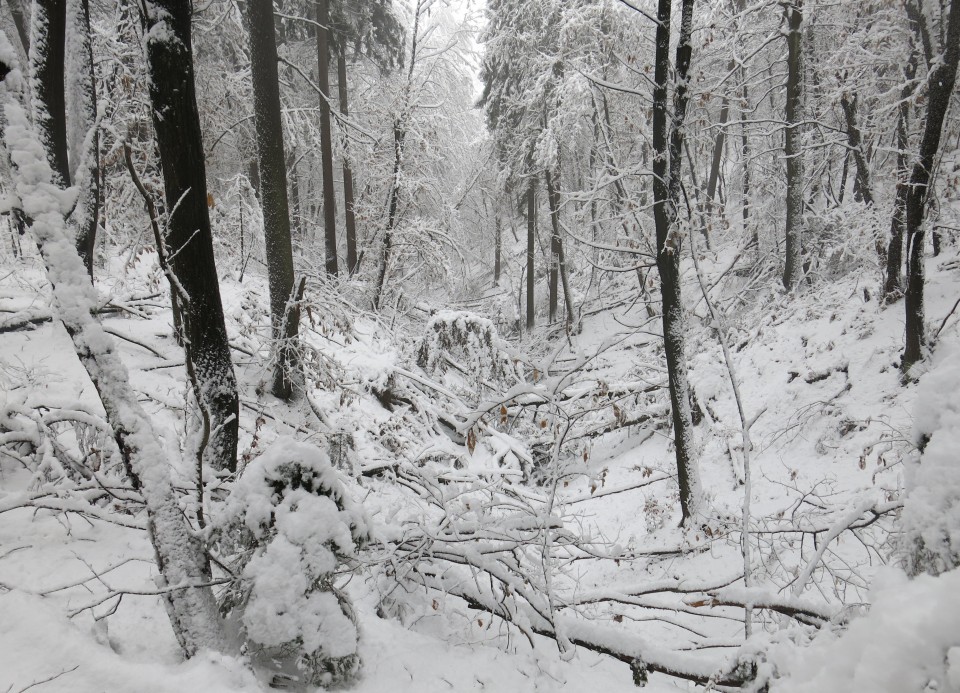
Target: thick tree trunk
point(792, 148)
point(179, 555)
point(83, 138)
point(666, 192)
point(531, 249)
point(348, 211)
point(47, 82)
point(941, 80)
point(284, 318)
point(326, 137)
point(189, 239)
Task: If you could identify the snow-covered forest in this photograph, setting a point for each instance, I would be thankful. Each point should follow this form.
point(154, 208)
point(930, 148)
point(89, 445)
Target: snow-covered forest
point(451, 345)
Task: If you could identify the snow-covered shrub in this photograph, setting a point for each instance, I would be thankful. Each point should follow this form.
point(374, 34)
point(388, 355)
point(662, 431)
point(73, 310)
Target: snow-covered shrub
point(468, 341)
point(931, 516)
point(290, 526)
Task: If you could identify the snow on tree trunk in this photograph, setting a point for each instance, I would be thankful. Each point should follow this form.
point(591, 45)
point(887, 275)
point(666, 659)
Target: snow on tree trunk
point(184, 569)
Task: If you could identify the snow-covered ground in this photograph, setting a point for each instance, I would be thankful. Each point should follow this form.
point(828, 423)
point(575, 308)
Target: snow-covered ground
point(832, 439)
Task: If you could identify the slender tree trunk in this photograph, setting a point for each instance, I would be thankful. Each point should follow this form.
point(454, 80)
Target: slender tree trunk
point(893, 281)
point(326, 137)
point(531, 249)
point(941, 80)
point(392, 207)
point(864, 193)
point(189, 239)
point(715, 163)
point(293, 179)
point(666, 192)
point(793, 153)
point(83, 138)
point(348, 210)
point(745, 208)
point(556, 243)
point(497, 245)
point(180, 558)
point(554, 283)
point(273, 192)
point(47, 42)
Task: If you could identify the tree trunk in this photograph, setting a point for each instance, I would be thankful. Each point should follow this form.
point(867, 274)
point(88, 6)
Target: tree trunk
point(273, 192)
point(556, 243)
point(326, 137)
point(179, 554)
point(941, 80)
point(47, 41)
point(745, 208)
point(792, 149)
point(348, 211)
point(531, 249)
point(893, 281)
point(293, 180)
point(497, 245)
point(666, 192)
point(189, 239)
point(83, 138)
point(392, 207)
point(864, 193)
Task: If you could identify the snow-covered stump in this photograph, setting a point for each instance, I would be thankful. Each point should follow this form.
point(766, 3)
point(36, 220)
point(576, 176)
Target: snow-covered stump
point(184, 569)
point(290, 527)
point(465, 340)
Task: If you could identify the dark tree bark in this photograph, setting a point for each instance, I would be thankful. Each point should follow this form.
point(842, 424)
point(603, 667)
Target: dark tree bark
point(941, 81)
point(531, 249)
point(349, 215)
point(863, 192)
point(84, 140)
point(189, 239)
point(792, 145)
point(326, 137)
point(284, 316)
point(47, 41)
point(666, 194)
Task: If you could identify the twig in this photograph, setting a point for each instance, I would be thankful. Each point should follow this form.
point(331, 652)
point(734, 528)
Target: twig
point(48, 679)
